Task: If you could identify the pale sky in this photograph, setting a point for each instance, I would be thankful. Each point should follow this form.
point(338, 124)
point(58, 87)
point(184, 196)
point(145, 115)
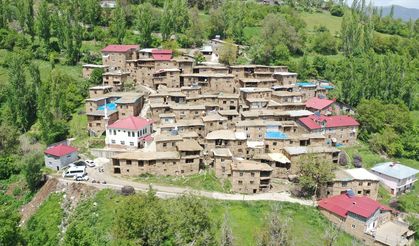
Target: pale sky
point(404, 3)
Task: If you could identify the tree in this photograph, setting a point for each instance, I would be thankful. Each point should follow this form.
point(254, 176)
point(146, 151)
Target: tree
point(96, 77)
point(9, 136)
point(20, 100)
point(30, 26)
point(7, 167)
point(228, 53)
point(118, 24)
point(9, 229)
point(277, 231)
point(324, 43)
point(145, 24)
point(175, 18)
point(226, 233)
point(196, 30)
point(315, 173)
point(33, 170)
point(43, 22)
point(387, 141)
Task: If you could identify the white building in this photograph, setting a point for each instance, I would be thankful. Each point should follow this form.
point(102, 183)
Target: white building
point(60, 156)
point(396, 177)
point(132, 132)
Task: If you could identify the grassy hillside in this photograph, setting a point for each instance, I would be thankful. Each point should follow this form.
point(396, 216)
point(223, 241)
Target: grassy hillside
point(93, 220)
point(314, 20)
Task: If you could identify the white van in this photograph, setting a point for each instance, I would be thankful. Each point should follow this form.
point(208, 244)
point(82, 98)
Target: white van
point(73, 171)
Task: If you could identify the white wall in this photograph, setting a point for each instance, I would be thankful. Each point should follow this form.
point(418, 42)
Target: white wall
point(125, 137)
point(60, 162)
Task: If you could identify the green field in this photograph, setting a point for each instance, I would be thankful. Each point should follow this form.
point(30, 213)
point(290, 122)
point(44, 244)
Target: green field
point(314, 20)
point(93, 220)
point(202, 181)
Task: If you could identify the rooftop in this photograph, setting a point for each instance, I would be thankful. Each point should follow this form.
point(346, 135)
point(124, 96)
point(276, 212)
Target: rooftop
point(131, 123)
point(119, 48)
point(223, 152)
point(343, 204)
point(145, 156)
point(318, 103)
point(276, 135)
point(188, 145)
point(361, 174)
point(395, 170)
point(60, 150)
point(317, 122)
point(307, 150)
point(248, 165)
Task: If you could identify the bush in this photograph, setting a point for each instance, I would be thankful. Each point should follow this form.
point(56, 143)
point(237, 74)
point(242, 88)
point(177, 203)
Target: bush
point(7, 167)
point(337, 10)
point(357, 161)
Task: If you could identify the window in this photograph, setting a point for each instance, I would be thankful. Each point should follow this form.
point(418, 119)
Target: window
point(275, 143)
point(131, 143)
point(182, 171)
point(353, 226)
point(189, 161)
point(252, 174)
point(129, 162)
point(344, 184)
point(122, 142)
point(360, 183)
point(241, 174)
point(140, 163)
point(129, 134)
point(164, 144)
point(113, 141)
point(240, 182)
point(359, 192)
point(369, 183)
point(174, 163)
point(252, 182)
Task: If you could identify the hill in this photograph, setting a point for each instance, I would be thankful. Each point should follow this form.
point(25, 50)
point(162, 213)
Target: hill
point(402, 12)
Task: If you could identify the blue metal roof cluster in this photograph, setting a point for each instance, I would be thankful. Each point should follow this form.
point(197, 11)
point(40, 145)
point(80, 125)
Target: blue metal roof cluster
point(276, 135)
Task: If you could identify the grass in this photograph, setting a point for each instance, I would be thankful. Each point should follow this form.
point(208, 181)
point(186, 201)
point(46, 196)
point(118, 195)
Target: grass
point(92, 221)
point(369, 158)
point(248, 219)
point(384, 196)
point(314, 20)
point(20, 194)
point(43, 227)
point(202, 181)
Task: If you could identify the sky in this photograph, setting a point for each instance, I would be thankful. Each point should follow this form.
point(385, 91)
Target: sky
point(404, 3)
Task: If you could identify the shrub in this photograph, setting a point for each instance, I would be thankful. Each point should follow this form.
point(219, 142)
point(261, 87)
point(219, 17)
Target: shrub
point(337, 10)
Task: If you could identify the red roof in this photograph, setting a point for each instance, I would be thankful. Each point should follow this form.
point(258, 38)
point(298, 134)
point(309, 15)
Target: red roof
point(131, 123)
point(318, 103)
point(120, 48)
point(343, 204)
point(161, 55)
point(315, 122)
point(60, 150)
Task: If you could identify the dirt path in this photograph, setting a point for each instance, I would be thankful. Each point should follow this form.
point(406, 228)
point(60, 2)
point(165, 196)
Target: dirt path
point(117, 183)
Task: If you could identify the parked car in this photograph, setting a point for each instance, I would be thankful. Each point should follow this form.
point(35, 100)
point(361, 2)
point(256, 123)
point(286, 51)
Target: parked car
point(82, 178)
point(79, 163)
point(90, 163)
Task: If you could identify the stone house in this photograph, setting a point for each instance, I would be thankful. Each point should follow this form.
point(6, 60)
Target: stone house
point(232, 117)
point(98, 120)
point(129, 104)
point(308, 89)
point(256, 82)
point(210, 69)
point(59, 156)
point(168, 77)
point(167, 142)
point(131, 132)
point(321, 106)
point(256, 129)
point(182, 126)
point(338, 129)
point(116, 56)
point(155, 163)
point(100, 90)
point(365, 219)
point(297, 154)
point(277, 161)
point(156, 109)
point(187, 112)
point(190, 154)
point(222, 160)
point(209, 82)
point(250, 176)
point(116, 79)
point(397, 178)
point(89, 68)
point(256, 93)
point(359, 180)
point(235, 141)
point(227, 101)
point(285, 78)
point(213, 122)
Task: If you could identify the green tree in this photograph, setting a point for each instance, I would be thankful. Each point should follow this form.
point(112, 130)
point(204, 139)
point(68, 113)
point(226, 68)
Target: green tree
point(20, 100)
point(228, 53)
point(388, 141)
point(118, 24)
point(226, 233)
point(96, 77)
point(43, 22)
point(196, 30)
point(9, 229)
point(277, 232)
point(145, 24)
point(9, 138)
point(33, 170)
point(7, 167)
point(324, 43)
point(315, 173)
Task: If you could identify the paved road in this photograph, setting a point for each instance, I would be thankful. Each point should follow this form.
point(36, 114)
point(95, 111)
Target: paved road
point(113, 182)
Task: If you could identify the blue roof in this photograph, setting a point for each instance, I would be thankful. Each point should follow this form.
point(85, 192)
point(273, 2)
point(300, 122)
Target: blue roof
point(276, 135)
point(395, 170)
point(327, 87)
point(109, 106)
point(306, 84)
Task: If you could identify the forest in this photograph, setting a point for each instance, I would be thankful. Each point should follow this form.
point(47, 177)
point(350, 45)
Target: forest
point(373, 60)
